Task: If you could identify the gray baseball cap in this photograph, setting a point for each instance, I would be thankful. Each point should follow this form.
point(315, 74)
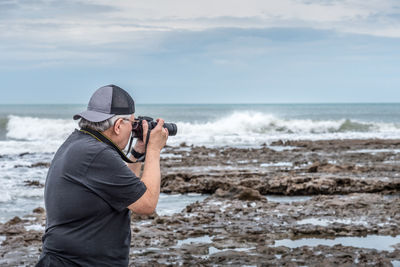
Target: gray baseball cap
point(106, 102)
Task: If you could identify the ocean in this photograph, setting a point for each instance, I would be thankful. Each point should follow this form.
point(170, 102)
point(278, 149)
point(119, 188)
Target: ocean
point(30, 134)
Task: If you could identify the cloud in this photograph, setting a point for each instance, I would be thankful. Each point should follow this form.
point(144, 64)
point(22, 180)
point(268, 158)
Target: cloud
point(39, 9)
point(220, 45)
point(200, 15)
point(60, 31)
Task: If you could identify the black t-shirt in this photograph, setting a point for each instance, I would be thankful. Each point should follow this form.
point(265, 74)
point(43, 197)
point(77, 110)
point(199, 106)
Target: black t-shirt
point(88, 189)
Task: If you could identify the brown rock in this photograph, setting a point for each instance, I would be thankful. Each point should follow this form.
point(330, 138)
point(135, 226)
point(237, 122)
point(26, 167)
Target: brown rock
point(39, 210)
point(40, 164)
point(249, 194)
point(14, 221)
point(138, 217)
point(33, 183)
point(221, 193)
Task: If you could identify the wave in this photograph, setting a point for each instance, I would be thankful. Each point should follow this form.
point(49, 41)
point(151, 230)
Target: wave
point(260, 123)
point(3, 123)
point(238, 128)
point(34, 129)
point(254, 128)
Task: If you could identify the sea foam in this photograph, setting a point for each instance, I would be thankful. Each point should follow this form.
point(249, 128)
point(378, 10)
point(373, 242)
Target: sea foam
point(246, 128)
point(33, 129)
point(254, 128)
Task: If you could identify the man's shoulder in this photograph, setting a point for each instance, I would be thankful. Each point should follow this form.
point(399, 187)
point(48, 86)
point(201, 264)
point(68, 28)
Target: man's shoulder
point(80, 145)
point(83, 141)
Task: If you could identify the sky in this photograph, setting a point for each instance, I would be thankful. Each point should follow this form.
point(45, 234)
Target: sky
point(209, 51)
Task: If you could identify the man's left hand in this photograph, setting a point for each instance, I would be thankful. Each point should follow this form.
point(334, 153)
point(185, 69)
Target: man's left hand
point(140, 145)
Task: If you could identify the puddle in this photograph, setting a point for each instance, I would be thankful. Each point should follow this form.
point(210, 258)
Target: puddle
point(369, 242)
point(200, 239)
point(170, 204)
point(374, 151)
point(282, 148)
point(147, 250)
point(287, 199)
point(186, 149)
point(207, 239)
point(2, 238)
point(213, 250)
point(391, 197)
point(247, 161)
point(35, 227)
point(278, 164)
point(170, 156)
point(326, 222)
point(216, 168)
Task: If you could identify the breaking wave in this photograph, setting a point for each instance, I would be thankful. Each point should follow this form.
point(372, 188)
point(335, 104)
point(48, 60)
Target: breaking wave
point(34, 129)
point(249, 128)
point(239, 128)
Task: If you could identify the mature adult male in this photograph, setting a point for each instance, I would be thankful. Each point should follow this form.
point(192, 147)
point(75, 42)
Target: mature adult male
point(90, 191)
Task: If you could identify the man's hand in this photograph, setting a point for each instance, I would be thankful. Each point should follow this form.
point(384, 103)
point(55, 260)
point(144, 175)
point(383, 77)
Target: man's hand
point(140, 145)
point(151, 173)
point(158, 137)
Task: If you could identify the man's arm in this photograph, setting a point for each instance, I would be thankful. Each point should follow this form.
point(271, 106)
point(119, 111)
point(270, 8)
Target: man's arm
point(151, 173)
point(139, 147)
point(136, 168)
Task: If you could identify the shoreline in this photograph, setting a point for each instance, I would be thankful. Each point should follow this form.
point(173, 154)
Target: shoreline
point(352, 189)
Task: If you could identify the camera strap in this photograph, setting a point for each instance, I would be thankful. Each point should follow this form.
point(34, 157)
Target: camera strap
point(104, 139)
point(143, 157)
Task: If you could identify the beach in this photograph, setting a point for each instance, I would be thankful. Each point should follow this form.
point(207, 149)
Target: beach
point(287, 203)
point(287, 151)
point(255, 185)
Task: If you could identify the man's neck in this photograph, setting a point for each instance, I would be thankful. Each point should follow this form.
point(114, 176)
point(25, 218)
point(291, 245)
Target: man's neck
point(112, 136)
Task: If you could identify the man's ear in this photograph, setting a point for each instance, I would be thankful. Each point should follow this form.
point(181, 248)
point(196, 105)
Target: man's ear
point(117, 126)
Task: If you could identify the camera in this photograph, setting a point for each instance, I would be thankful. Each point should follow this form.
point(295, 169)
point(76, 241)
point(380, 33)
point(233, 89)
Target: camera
point(137, 126)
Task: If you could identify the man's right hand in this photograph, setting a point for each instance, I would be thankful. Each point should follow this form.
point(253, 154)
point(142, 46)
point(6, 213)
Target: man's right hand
point(151, 176)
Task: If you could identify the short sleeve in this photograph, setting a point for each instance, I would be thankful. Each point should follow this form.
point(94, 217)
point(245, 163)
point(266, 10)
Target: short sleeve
point(110, 178)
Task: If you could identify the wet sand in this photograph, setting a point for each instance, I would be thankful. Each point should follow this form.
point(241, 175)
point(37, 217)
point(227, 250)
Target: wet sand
point(297, 203)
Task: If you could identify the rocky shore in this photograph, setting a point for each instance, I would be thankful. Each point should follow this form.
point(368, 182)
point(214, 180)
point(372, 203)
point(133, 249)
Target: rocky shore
point(348, 213)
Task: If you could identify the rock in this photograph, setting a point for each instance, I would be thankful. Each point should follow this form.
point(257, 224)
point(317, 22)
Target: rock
point(41, 164)
point(139, 217)
point(240, 192)
point(14, 221)
point(240, 232)
point(314, 168)
point(249, 194)
point(222, 193)
point(33, 183)
point(195, 249)
point(39, 210)
point(35, 165)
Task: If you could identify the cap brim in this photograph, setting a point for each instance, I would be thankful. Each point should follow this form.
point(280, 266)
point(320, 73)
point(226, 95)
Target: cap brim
point(93, 116)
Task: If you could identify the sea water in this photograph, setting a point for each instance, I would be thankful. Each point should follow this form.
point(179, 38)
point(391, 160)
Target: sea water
point(30, 134)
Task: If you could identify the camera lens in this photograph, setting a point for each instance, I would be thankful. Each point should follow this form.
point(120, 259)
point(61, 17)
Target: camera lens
point(172, 128)
point(137, 127)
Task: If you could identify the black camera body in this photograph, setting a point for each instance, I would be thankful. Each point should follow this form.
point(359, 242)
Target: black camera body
point(137, 127)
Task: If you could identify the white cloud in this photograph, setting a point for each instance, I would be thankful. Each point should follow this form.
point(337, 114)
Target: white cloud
point(91, 20)
point(75, 24)
point(190, 9)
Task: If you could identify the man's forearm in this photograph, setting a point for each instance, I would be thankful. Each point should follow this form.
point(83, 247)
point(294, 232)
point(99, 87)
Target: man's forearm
point(152, 175)
point(151, 178)
point(136, 168)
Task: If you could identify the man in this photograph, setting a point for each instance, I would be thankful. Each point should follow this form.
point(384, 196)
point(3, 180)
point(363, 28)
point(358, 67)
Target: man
point(90, 191)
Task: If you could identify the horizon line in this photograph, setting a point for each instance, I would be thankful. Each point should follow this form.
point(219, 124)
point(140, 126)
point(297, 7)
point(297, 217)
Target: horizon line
point(216, 103)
